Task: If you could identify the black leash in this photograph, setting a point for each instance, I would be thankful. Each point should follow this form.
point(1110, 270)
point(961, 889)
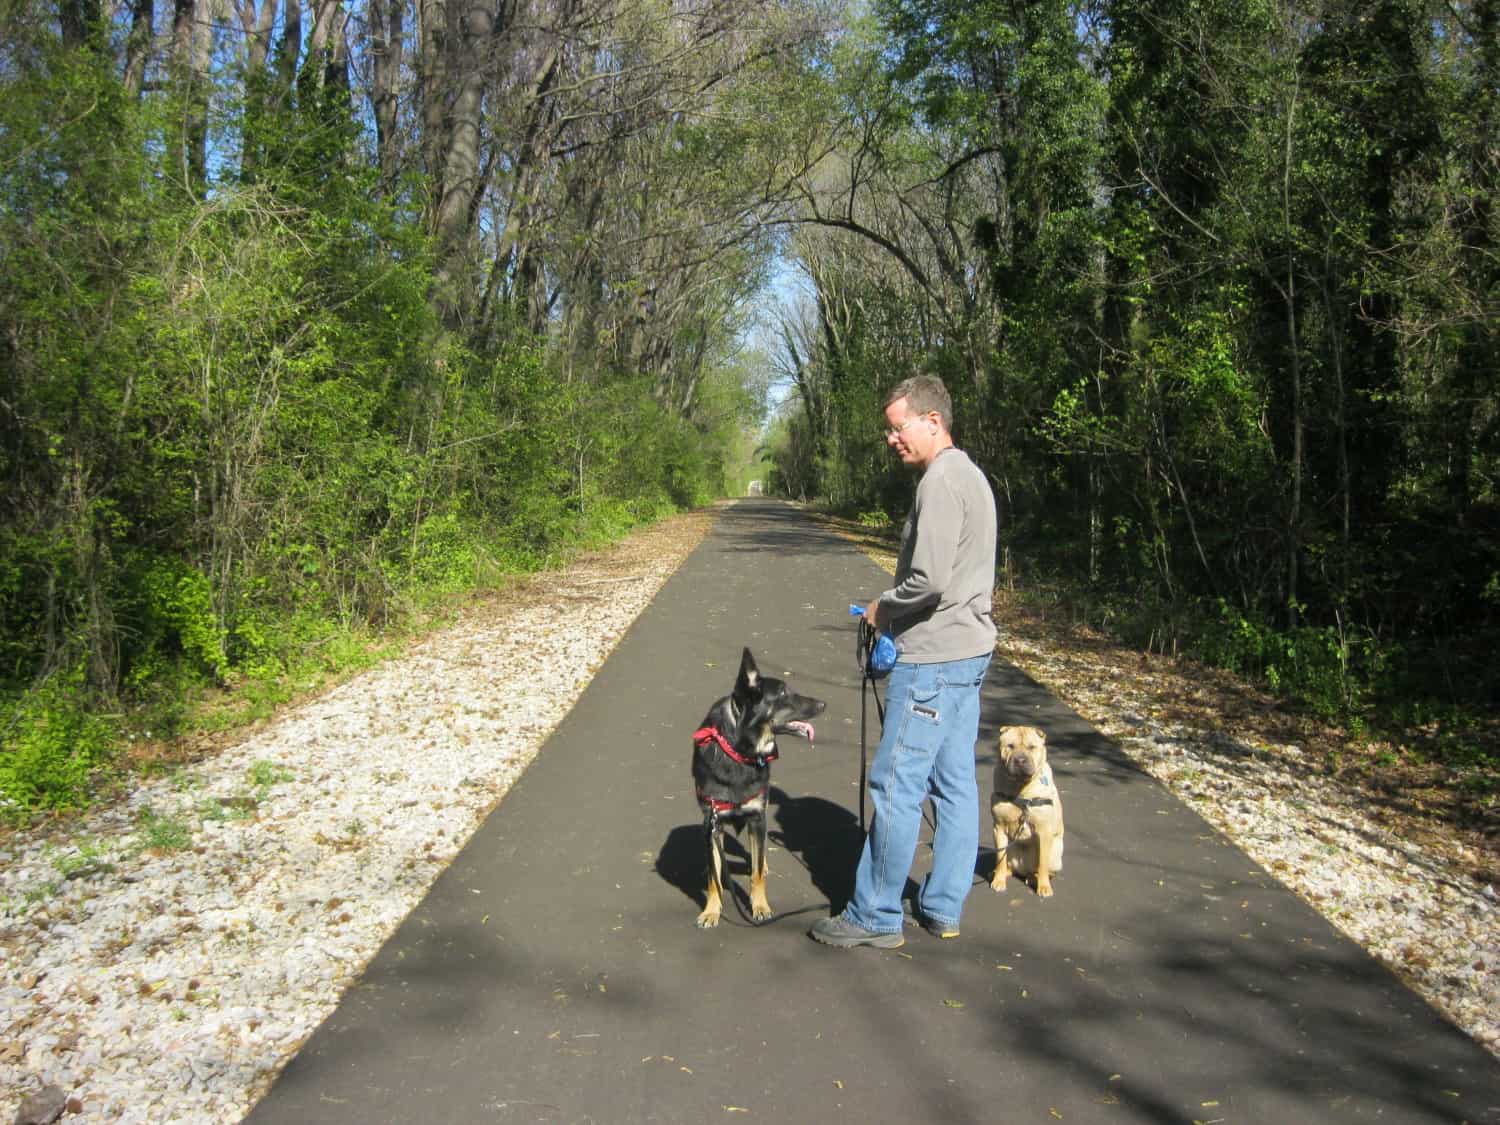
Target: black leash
point(864, 648)
point(740, 897)
point(739, 904)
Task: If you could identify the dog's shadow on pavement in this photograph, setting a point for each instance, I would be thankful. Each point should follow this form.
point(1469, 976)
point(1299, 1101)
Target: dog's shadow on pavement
point(822, 837)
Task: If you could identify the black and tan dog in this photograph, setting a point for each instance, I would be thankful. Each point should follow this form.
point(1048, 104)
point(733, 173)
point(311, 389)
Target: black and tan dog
point(733, 750)
point(1027, 809)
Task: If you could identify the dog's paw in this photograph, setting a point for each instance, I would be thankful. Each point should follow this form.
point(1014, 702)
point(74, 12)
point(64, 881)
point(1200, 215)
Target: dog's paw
point(708, 919)
point(762, 912)
point(1043, 888)
point(997, 882)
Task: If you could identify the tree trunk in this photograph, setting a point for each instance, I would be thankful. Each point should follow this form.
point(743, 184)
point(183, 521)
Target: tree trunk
point(516, 251)
point(386, 47)
point(81, 23)
point(256, 22)
point(138, 46)
point(1477, 354)
point(192, 42)
point(1341, 427)
point(1294, 365)
point(289, 47)
point(459, 184)
point(325, 48)
point(434, 36)
point(336, 65)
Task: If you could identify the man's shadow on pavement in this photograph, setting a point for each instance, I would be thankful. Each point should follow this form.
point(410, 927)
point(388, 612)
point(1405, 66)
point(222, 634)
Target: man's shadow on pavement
point(822, 837)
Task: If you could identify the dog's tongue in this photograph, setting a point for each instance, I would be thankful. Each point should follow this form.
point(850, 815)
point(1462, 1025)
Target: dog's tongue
point(797, 726)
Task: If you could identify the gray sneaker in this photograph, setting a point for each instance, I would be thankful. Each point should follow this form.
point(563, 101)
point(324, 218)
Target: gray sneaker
point(841, 933)
point(944, 930)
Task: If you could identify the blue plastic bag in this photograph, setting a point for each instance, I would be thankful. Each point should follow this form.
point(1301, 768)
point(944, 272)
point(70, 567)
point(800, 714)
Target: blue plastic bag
point(879, 656)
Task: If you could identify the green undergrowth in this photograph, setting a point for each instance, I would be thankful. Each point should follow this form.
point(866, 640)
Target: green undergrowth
point(62, 749)
point(1376, 693)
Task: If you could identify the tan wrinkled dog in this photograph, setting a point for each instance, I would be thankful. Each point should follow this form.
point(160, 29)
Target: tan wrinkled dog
point(1027, 810)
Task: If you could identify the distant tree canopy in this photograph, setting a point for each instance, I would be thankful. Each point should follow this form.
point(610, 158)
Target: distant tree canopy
point(308, 309)
point(1215, 287)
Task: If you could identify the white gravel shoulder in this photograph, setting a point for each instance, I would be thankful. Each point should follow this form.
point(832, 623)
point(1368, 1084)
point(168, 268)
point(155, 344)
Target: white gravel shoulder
point(141, 984)
point(172, 985)
point(1409, 904)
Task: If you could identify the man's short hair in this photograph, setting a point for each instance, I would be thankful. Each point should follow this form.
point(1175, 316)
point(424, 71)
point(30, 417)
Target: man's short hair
point(924, 394)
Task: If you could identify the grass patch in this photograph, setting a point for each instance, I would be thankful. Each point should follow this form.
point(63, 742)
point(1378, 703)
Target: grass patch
point(87, 857)
point(264, 776)
point(162, 833)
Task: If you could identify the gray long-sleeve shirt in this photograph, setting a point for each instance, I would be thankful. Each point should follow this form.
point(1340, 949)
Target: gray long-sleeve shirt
point(940, 608)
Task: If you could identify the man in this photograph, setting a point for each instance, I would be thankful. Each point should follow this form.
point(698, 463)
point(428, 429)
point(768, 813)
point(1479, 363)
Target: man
point(939, 613)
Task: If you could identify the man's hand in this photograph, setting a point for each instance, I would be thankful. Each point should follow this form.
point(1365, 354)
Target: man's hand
point(872, 614)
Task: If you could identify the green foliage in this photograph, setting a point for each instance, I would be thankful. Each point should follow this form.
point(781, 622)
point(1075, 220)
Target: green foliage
point(51, 744)
point(179, 611)
point(236, 440)
point(1330, 673)
point(1212, 284)
point(1217, 316)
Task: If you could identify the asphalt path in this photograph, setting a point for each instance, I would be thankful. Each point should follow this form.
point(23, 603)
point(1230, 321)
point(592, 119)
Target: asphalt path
point(554, 973)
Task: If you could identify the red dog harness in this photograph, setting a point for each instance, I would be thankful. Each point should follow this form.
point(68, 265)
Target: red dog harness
point(702, 737)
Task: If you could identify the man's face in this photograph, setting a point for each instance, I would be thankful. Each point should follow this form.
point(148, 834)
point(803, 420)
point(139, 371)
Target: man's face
point(914, 437)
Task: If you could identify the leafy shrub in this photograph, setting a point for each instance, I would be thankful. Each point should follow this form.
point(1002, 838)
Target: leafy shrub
point(178, 616)
point(53, 741)
point(607, 519)
point(1330, 672)
point(239, 440)
point(444, 554)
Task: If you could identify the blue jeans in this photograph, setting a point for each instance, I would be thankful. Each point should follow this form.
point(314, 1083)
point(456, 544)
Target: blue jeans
point(926, 749)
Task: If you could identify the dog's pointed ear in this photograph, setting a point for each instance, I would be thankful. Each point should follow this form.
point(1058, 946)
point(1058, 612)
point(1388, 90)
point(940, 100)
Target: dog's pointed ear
point(749, 673)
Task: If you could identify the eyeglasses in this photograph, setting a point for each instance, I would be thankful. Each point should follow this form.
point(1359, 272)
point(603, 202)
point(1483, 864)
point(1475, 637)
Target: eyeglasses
point(895, 431)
